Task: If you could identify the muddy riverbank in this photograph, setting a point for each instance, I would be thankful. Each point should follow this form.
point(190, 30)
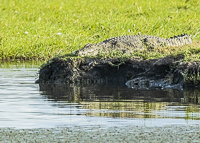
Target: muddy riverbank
point(137, 73)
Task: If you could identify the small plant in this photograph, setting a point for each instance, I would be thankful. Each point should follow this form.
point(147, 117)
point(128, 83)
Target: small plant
point(185, 76)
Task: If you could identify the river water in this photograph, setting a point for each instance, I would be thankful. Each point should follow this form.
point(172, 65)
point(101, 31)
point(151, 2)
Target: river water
point(24, 104)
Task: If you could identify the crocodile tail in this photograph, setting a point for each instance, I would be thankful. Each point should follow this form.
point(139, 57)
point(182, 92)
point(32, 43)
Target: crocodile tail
point(180, 40)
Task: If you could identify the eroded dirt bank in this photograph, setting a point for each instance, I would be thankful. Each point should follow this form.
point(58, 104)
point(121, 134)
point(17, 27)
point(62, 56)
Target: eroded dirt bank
point(134, 72)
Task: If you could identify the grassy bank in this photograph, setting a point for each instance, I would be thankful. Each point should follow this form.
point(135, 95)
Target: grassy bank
point(45, 28)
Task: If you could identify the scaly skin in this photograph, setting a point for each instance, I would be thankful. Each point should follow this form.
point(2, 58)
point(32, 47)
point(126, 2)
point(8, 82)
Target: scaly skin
point(127, 44)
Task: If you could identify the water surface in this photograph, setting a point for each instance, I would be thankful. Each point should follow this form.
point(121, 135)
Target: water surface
point(24, 104)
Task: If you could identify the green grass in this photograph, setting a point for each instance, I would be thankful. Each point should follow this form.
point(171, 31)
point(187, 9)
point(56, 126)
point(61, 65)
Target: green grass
point(30, 29)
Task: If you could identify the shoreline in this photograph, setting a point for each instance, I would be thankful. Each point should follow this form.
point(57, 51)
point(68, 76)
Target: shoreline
point(168, 133)
point(137, 73)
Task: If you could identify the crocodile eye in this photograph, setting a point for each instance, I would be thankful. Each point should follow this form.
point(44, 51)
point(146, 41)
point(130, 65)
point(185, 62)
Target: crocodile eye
point(87, 45)
point(76, 52)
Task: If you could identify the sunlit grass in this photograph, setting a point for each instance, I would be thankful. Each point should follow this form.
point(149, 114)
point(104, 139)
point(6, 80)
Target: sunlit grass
point(44, 28)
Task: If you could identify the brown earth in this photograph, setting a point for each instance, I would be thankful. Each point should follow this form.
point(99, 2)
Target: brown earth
point(135, 72)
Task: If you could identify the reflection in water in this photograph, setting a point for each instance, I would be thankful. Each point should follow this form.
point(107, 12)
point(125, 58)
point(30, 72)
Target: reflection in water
point(24, 104)
point(120, 101)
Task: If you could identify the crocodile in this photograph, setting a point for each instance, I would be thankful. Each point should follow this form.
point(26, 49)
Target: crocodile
point(128, 44)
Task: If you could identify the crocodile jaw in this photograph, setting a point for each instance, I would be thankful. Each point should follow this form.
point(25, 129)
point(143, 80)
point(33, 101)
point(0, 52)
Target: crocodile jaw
point(88, 50)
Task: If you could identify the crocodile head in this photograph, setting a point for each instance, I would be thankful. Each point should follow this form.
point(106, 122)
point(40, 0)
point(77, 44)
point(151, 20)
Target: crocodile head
point(88, 50)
